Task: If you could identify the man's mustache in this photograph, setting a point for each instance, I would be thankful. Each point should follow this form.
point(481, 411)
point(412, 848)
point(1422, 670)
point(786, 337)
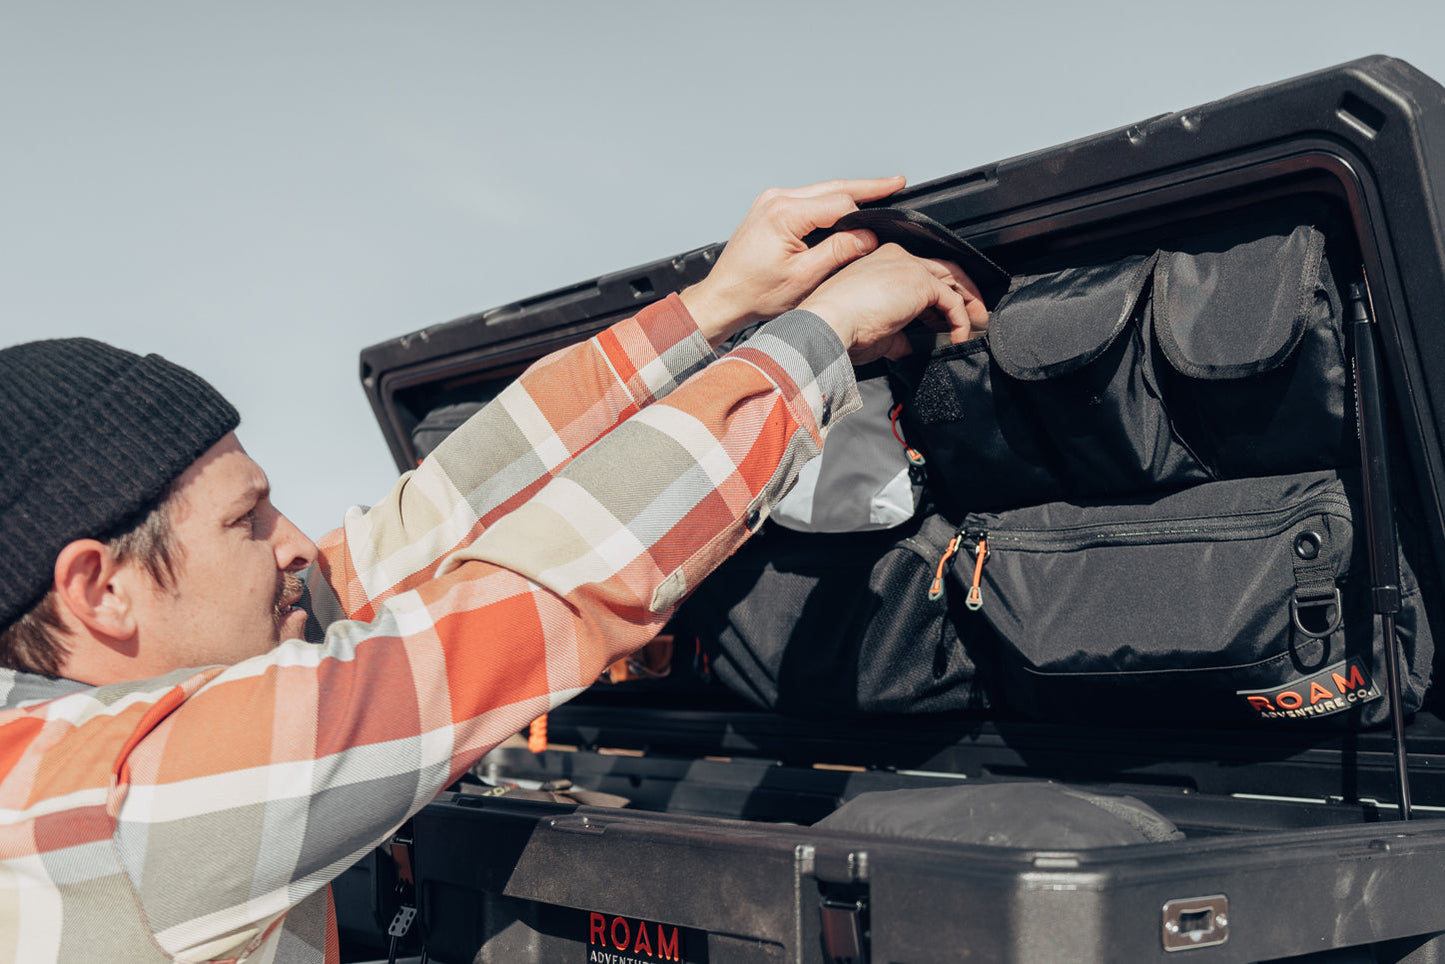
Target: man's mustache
point(289, 588)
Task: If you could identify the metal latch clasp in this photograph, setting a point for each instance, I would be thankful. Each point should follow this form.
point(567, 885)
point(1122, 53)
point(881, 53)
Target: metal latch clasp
point(1196, 922)
point(844, 929)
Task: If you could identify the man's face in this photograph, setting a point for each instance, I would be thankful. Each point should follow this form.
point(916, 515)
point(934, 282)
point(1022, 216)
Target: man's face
point(237, 556)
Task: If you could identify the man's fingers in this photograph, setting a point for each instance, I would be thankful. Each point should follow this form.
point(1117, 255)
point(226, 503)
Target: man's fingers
point(977, 313)
point(833, 252)
point(800, 217)
point(859, 189)
point(973, 306)
point(947, 270)
point(952, 305)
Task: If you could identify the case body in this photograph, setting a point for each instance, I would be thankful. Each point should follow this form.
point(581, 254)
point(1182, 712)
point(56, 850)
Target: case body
point(1292, 850)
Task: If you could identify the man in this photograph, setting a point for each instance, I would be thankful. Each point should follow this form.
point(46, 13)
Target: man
point(154, 810)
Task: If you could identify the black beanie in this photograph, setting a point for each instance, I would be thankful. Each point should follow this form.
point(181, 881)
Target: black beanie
point(89, 434)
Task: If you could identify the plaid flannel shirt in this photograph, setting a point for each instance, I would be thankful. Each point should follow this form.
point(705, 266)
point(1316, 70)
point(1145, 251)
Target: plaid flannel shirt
point(201, 815)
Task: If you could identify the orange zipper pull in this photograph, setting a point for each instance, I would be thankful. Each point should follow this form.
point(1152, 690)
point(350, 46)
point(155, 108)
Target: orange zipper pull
point(936, 589)
point(915, 457)
point(975, 594)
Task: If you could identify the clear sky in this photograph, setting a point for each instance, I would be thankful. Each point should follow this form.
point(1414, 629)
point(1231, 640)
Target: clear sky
point(259, 190)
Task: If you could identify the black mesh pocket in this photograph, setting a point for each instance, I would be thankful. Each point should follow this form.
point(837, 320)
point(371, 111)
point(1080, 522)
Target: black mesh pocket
point(911, 658)
point(980, 434)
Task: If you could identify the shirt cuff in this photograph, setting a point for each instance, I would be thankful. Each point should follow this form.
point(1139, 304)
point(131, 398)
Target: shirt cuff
point(818, 375)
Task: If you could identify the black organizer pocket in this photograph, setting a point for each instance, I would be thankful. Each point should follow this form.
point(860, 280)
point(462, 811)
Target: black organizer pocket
point(824, 624)
point(1059, 399)
point(912, 658)
point(984, 443)
point(1202, 606)
point(1253, 371)
point(1145, 374)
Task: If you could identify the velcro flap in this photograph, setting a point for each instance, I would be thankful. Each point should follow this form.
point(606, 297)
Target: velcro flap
point(1238, 312)
point(1057, 323)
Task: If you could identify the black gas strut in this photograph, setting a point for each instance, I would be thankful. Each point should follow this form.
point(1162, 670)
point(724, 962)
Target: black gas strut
point(1379, 517)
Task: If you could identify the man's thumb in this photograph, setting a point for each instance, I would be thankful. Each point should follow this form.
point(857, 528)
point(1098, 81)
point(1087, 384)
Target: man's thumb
point(838, 249)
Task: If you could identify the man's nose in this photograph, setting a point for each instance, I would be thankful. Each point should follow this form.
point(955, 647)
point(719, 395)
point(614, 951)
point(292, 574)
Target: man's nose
point(294, 551)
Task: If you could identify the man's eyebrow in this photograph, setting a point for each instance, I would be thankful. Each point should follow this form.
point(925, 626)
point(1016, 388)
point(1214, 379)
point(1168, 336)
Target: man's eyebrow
point(253, 493)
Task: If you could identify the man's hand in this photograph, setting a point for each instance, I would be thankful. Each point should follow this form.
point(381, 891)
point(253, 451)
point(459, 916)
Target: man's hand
point(766, 269)
point(868, 302)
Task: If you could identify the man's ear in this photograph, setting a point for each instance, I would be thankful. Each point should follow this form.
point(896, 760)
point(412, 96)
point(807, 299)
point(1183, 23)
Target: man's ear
point(89, 593)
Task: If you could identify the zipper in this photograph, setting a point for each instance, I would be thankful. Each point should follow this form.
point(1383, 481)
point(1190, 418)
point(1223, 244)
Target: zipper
point(1264, 523)
point(935, 589)
point(978, 538)
point(915, 457)
point(974, 601)
point(1261, 524)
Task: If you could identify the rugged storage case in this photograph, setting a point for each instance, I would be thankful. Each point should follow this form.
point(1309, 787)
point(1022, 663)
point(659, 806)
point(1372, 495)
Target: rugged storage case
point(1293, 848)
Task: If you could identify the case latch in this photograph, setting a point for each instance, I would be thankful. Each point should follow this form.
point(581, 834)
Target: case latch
point(844, 929)
point(1196, 922)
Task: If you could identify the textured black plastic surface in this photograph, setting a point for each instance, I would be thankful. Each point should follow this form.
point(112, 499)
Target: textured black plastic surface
point(753, 888)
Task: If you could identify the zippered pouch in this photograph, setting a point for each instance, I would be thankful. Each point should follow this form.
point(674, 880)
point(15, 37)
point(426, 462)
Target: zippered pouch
point(1233, 600)
point(1142, 374)
point(834, 624)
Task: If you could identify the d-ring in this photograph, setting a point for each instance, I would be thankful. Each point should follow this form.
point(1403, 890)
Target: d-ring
point(1335, 622)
